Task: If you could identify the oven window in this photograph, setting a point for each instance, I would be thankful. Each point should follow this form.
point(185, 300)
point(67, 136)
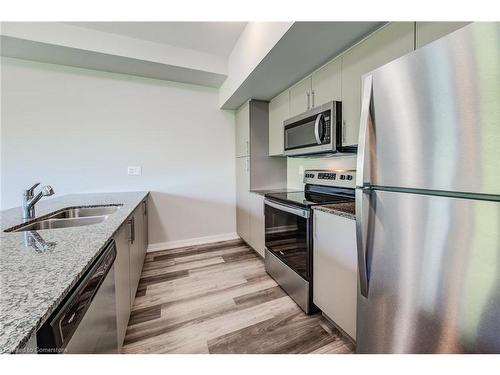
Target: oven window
point(297, 136)
point(286, 237)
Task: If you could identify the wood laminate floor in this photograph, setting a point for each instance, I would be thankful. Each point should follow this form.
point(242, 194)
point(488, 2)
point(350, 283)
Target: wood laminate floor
point(217, 298)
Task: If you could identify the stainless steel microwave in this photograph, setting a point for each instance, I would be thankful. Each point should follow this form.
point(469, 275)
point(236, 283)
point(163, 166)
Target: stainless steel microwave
point(316, 131)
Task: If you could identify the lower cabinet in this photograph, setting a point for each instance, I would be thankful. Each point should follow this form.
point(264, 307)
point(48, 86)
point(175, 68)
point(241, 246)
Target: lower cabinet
point(243, 198)
point(335, 269)
point(122, 282)
point(257, 230)
point(137, 250)
point(131, 244)
point(250, 220)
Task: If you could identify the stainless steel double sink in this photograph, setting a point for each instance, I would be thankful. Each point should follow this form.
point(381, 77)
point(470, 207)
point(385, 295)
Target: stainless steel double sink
point(71, 217)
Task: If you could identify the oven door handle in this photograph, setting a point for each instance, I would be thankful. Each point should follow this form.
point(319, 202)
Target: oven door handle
point(296, 211)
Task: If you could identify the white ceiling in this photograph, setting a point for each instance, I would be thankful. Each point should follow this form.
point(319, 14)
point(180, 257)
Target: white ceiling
point(216, 38)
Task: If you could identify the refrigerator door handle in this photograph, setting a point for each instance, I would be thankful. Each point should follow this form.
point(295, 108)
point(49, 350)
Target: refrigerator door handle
point(362, 212)
point(365, 123)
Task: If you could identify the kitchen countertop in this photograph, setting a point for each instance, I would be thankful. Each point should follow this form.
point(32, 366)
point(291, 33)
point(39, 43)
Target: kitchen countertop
point(266, 191)
point(341, 209)
point(34, 281)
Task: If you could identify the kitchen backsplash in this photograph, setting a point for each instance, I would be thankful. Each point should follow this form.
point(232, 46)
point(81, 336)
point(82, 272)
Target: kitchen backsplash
point(297, 166)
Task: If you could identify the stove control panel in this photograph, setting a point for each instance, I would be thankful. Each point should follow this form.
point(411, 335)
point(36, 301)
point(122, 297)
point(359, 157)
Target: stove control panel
point(340, 177)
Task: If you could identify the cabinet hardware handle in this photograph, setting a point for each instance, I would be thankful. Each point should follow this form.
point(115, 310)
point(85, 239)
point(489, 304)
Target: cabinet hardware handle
point(308, 100)
point(131, 223)
point(312, 93)
point(145, 208)
point(343, 132)
point(248, 148)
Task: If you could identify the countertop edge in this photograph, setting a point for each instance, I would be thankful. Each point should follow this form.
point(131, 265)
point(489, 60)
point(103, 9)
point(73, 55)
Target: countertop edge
point(334, 211)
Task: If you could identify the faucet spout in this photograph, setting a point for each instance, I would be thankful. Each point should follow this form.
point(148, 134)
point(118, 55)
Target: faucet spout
point(29, 200)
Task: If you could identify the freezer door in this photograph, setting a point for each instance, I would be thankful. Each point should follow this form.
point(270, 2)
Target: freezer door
point(431, 119)
point(433, 270)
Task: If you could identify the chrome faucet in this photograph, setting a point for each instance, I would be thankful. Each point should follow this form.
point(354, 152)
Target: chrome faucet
point(29, 200)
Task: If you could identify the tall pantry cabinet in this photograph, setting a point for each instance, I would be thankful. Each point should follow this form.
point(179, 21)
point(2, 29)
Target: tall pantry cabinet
point(255, 171)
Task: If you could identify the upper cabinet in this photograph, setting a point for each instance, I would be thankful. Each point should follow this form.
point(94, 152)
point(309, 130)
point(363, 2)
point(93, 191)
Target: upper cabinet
point(388, 43)
point(300, 97)
point(279, 111)
point(340, 79)
point(243, 131)
point(327, 83)
point(426, 32)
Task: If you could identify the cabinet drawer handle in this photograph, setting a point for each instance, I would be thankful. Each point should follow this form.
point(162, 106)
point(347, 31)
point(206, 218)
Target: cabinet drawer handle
point(343, 132)
point(131, 225)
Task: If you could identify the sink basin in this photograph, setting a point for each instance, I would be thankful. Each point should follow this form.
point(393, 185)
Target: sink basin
point(62, 223)
point(71, 217)
point(85, 212)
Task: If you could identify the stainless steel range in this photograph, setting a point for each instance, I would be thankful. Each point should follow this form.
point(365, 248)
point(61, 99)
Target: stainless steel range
point(288, 227)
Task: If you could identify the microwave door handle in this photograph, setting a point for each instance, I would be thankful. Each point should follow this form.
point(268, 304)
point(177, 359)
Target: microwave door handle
point(317, 123)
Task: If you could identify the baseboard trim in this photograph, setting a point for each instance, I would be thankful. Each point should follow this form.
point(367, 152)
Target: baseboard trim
point(191, 242)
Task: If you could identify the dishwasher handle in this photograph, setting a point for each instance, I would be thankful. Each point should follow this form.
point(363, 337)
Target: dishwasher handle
point(57, 332)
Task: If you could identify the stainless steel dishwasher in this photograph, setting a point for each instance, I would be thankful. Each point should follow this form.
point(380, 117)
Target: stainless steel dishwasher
point(86, 320)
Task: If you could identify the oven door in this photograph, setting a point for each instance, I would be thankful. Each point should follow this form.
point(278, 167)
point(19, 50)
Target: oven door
point(288, 235)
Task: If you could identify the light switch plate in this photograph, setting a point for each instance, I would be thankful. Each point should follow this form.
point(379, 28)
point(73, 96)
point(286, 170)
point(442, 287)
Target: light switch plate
point(134, 171)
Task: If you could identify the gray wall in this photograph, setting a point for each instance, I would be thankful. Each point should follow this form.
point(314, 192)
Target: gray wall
point(78, 130)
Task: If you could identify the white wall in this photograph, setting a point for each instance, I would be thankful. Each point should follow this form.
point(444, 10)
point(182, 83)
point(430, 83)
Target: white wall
point(78, 130)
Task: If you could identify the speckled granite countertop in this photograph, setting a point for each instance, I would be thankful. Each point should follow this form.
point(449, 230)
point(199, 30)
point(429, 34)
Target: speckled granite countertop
point(33, 281)
point(341, 209)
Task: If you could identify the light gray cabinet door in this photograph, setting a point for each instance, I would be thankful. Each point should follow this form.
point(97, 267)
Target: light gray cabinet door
point(390, 42)
point(243, 198)
point(141, 249)
point(243, 130)
point(326, 83)
point(145, 237)
point(279, 111)
point(300, 97)
point(335, 269)
point(426, 32)
point(122, 282)
point(135, 254)
point(257, 230)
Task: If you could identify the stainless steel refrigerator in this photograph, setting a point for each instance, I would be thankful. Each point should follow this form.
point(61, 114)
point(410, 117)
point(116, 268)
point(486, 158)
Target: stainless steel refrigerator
point(428, 199)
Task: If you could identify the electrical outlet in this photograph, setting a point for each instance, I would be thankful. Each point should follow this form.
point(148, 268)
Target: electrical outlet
point(134, 171)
